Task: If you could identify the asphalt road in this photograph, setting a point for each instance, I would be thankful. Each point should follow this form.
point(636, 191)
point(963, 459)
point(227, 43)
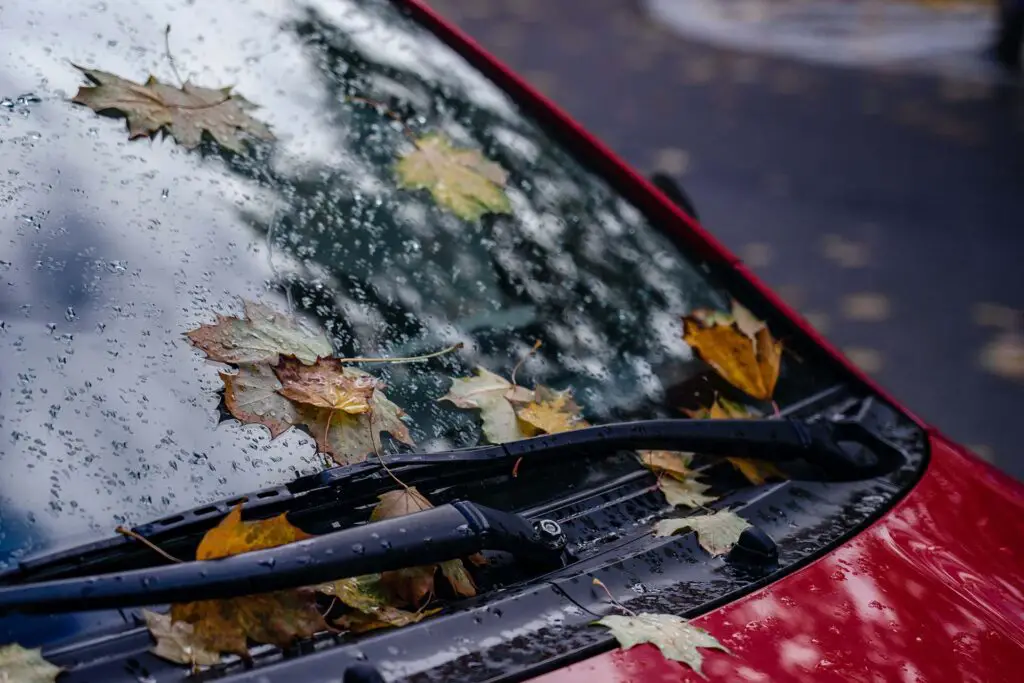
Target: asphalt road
point(885, 204)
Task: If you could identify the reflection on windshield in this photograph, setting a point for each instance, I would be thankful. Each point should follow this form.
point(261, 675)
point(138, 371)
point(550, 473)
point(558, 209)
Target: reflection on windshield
point(111, 249)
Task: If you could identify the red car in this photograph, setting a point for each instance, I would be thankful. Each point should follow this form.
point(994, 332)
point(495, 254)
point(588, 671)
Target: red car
point(293, 323)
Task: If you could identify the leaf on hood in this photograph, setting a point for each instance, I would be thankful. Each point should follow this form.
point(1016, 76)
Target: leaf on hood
point(494, 397)
point(459, 179)
point(327, 383)
point(261, 337)
point(350, 438)
point(277, 618)
point(748, 362)
point(22, 665)
point(686, 493)
point(673, 463)
point(176, 641)
point(716, 533)
point(185, 112)
point(411, 585)
point(757, 472)
point(550, 412)
point(372, 606)
point(251, 396)
point(677, 639)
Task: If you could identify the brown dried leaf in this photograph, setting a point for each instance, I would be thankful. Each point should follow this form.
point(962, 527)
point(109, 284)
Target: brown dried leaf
point(327, 383)
point(261, 337)
point(459, 578)
point(373, 609)
point(185, 112)
point(176, 641)
point(250, 395)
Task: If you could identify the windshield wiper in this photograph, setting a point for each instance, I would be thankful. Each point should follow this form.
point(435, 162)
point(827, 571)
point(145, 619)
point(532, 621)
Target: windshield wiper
point(461, 528)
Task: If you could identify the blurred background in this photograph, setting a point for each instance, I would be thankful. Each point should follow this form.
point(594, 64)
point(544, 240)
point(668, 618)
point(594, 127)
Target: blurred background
point(865, 158)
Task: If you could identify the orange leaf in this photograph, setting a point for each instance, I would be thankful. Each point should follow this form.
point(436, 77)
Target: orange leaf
point(750, 362)
point(458, 576)
point(757, 472)
point(325, 384)
point(234, 537)
point(550, 412)
point(673, 463)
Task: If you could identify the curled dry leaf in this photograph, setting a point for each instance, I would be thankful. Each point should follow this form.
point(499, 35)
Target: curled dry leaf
point(325, 384)
point(494, 396)
point(185, 112)
point(749, 362)
point(176, 641)
point(757, 472)
point(673, 636)
point(261, 337)
point(550, 412)
point(459, 179)
point(22, 665)
point(685, 493)
point(251, 396)
point(716, 533)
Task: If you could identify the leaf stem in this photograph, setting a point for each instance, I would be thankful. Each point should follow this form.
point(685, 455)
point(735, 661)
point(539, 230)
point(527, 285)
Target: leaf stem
point(405, 359)
point(380, 458)
point(170, 58)
point(386, 111)
point(536, 345)
point(146, 542)
point(599, 582)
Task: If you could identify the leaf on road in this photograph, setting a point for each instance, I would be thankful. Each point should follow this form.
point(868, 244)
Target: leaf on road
point(176, 641)
point(185, 112)
point(261, 337)
point(686, 493)
point(677, 639)
point(494, 397)
point(22, 665)
point(411, 585)
point(550, 412)
point(459, 179)
point(748, 362)
point(327, 383)
point(757, 472)
point(251, 396)
point(673, 463)
point(234, 537)
point(372, 606)
point(716, 533)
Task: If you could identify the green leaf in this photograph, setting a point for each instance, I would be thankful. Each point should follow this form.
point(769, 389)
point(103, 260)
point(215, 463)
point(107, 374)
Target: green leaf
point(492, 395)
point(261, 337)
point(19, 665)
point(367, 596)
point(677, 640)
point(459, 179)
point(716, 533)
point(687, 493)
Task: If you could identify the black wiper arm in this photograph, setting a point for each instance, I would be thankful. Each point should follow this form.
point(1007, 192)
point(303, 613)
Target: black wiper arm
point(442, 533)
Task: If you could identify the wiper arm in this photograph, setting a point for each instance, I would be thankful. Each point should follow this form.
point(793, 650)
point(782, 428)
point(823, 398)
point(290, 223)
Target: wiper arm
point(461, 528)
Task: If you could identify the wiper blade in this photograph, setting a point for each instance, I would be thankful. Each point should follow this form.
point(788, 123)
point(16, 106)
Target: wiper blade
point(462, 528)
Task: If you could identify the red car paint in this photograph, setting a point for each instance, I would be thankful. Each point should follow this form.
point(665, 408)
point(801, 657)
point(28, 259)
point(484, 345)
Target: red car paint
point(933, 591)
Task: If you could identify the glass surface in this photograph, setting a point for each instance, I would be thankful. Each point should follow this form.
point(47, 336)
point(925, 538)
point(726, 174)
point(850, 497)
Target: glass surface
point(111, 249)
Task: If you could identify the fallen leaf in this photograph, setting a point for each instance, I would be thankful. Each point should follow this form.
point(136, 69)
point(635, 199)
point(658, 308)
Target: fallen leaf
point(550, 412)
point(373, 609)
point(251, 396)
point(185, 112)
point(748, 362)
point(176, 641)
point(22, 665)
point(673, 463)
point(412, 584)
point(677, 639)
point(261, 337)
point(494, 397)
point(757, 472)
point(716, 533)
point(686, 493)
point(327, 383)
point(459, 179)
point(234, 537)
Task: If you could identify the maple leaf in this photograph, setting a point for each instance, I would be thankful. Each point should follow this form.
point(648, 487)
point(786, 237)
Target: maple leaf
point(757, 472)
point(185, 112)
point(550, 412)
point(350, 438)
point(176, 641)
point(325, 384)
point(716, 533)
point(672, 463)
point(251, 396)
point(459, 179)
point(261, 337)
point(750, 362)
point(686, 493)
point(412, 584)
point(278, 618)
point(673, 636)
point(22, 665)
point(493, 396)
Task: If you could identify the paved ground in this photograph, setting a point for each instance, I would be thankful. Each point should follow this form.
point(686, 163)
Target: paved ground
point(884, 204)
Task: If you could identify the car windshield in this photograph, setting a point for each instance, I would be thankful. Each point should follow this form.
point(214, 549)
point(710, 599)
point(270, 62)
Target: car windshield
point(111, 249)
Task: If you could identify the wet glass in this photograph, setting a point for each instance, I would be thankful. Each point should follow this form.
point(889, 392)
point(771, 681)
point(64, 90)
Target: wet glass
point(111, 249)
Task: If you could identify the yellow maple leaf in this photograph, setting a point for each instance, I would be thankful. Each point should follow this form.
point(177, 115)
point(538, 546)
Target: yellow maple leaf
point(757, 472)
point(550, 412)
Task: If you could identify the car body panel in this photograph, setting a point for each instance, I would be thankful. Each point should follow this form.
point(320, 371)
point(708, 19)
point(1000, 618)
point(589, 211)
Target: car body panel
point(933, 591)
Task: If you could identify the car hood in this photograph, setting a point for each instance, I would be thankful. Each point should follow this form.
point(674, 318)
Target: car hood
point(933, 591)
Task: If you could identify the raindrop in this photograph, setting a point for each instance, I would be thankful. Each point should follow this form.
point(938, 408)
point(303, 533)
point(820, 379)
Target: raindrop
point(70, 314)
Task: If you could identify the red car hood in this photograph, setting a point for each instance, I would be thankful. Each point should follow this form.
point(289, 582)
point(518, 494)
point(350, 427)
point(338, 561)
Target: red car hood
point(933, 591)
